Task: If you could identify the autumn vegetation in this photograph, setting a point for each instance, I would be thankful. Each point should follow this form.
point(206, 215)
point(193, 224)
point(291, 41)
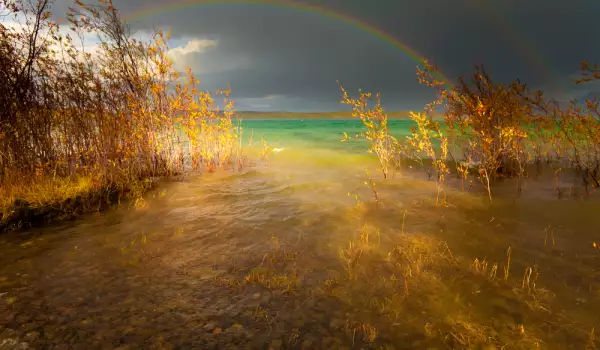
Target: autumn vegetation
point(80, 126)
point(497, 135)
point(89, 126)
point(491, 131)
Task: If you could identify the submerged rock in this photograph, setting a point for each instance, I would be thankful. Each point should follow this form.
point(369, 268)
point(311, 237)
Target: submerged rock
point(307, 343)
point(13, 344)
point(10, 341)
point(276, 344)
point(266, 299)
point(236, 328)
point(209, 327)
point(336, 323)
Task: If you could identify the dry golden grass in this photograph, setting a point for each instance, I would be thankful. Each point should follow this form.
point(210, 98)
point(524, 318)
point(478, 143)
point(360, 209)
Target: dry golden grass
point(271, 279)
point(47, 191)
point(278, 269)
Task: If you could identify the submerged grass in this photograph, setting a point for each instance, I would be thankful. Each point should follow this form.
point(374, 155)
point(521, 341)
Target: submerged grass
point(406, 285)
point(410, 289)
point(421, 284)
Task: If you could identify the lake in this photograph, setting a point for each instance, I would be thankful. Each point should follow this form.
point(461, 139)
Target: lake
point(295, 253)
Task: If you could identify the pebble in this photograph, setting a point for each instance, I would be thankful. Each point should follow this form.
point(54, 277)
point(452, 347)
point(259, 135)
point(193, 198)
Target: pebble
point(265, 299)
point(335, 323)
point(318, 315)
point(209, 327)
point(80, 346)
point(13, 344)
point(7, 318)
point(307, 343)
point(326, 342)
point(28, 327)
point(298, 323)
point(236, 329)
point(49, 332)
point(276, 344)
point(21, 319)
point(32, 336)
point(415, 344)
point(256, 296)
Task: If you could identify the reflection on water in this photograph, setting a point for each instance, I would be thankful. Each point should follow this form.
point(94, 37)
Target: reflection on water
point(282, 256)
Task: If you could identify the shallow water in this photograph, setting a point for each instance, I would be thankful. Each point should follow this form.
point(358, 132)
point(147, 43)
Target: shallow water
point(284, 255)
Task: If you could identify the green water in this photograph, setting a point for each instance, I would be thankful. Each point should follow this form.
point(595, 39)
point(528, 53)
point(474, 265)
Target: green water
point(317, 134)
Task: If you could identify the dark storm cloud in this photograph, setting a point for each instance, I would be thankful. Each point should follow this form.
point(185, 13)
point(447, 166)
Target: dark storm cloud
point(266, 51)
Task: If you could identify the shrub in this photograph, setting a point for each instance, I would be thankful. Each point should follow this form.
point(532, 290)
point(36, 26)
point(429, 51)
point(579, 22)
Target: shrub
point(117, 114)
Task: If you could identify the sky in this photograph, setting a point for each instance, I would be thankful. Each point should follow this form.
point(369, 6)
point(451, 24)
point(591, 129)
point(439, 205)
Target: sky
point(281, 58)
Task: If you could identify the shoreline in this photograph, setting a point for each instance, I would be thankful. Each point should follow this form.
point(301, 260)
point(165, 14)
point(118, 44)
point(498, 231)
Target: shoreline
point(262, 118)
point(23, 215)
point(319, 116)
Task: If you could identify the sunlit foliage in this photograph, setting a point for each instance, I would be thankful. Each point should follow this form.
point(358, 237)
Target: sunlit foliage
point(118, 113)
point(425, 136)
point(494, 130)
point(374, 119)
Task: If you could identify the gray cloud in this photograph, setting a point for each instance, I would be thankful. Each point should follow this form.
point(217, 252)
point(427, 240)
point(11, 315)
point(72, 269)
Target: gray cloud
point(266, 50)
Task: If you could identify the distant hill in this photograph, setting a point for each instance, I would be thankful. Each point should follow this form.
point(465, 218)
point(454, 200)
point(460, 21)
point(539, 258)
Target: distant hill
point(315, 115)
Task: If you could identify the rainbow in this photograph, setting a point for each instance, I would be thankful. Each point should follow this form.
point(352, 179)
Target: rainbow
point(184, 4)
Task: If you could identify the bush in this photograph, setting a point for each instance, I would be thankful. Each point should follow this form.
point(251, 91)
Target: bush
point(117, 114)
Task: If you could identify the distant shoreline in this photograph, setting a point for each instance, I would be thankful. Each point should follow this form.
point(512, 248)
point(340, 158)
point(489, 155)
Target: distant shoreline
point(317, 115)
